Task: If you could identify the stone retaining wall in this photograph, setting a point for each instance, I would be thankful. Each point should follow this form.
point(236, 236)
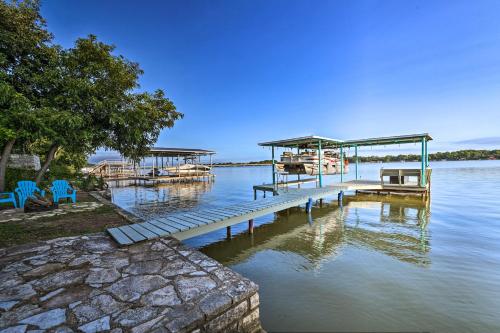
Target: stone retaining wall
point(88, 284)
point(23, 161)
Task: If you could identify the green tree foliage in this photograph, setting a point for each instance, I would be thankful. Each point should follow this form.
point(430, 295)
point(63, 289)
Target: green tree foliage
point(26, 59)
point(93, 105)
point(136, 127)
point(26, 52)
point(73, 100)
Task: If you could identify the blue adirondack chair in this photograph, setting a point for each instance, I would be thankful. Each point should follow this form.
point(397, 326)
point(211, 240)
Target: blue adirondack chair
point(26, 189)
point(62, 189)
point(8, 197)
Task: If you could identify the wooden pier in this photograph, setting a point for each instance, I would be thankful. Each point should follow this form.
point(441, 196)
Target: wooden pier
point(201, 221)
point(197, 222)
point(351, 185)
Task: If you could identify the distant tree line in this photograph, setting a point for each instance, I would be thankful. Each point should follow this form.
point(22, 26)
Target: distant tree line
point(460, 155)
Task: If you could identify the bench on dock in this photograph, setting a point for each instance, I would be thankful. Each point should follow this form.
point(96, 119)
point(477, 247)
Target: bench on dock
point(401, 177)
point(185, 225)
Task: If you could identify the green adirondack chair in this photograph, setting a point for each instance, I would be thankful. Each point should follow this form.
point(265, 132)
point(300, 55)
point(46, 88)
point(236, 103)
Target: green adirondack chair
point(26, 189)
point(62, 189)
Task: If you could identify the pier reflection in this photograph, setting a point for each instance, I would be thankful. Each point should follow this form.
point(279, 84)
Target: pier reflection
point(393, 226)
point(157, 200)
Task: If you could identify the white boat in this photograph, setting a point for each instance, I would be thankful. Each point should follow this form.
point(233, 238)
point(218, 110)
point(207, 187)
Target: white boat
point(307, 163)
point(188, 170)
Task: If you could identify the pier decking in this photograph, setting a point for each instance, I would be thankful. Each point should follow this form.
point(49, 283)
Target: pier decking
point(198, 222)
point(351, 185)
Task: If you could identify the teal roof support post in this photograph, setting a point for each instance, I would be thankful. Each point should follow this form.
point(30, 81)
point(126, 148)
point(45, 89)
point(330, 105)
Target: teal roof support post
point(426, 155)
point(422, 171)
point(298, 174)
point(274, 167)
point(341, 163)
point(356, 158)
point(320, 165)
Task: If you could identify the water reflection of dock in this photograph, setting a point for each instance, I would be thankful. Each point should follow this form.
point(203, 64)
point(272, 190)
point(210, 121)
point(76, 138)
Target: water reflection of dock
point(164, 198)
point(396, 230)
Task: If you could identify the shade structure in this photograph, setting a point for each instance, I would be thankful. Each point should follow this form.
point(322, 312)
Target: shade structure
point(179, 152)
point(313, 141)
point(320, 142)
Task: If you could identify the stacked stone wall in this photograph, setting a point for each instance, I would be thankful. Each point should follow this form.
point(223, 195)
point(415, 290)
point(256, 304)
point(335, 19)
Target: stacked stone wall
point(23, 161)
point(88, 284)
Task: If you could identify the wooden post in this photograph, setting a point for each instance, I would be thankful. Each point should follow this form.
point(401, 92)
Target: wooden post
point(255, 194)
point(228, 232)
point(250, 226)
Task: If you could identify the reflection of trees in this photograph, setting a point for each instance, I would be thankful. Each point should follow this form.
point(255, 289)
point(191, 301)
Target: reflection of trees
point(397, 230)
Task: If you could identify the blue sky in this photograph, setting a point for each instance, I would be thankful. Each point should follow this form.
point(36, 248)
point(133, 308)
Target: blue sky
point(249, 71)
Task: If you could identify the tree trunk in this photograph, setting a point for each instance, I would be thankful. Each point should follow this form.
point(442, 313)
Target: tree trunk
point(50, 156)
point(3, 162)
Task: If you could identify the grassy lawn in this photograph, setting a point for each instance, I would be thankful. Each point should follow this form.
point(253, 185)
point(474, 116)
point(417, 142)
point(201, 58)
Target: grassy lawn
point(70, 224)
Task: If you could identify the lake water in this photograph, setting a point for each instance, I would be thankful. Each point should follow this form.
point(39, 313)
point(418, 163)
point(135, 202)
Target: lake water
point(376, 264)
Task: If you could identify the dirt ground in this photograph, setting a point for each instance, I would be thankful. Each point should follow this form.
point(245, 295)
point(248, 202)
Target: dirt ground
point(70, 224)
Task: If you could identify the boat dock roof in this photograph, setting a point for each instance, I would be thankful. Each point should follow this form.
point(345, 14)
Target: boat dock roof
point(174, 152)
point(312, 141)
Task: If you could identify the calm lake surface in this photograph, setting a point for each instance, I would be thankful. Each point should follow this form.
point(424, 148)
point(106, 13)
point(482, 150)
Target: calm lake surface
point(376, 264)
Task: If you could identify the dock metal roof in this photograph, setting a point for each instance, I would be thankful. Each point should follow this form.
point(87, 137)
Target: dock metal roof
point(162, 151)
point(388, 140)
point(304, 142)
point(312, 141)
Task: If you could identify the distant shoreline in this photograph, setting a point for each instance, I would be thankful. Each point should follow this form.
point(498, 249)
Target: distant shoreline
point(460, 155)
point(229, 165)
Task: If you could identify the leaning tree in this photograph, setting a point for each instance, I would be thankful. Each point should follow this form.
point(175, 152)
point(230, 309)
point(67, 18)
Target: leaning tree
point(26, 61)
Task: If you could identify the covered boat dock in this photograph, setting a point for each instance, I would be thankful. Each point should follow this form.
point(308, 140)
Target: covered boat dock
point(160, 165)
point(197, 222)
point(398, 179)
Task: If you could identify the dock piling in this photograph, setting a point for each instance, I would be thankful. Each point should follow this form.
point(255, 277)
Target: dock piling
point(340, 197)
point(228, 232)
point(250, 226)
point(309, 205)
